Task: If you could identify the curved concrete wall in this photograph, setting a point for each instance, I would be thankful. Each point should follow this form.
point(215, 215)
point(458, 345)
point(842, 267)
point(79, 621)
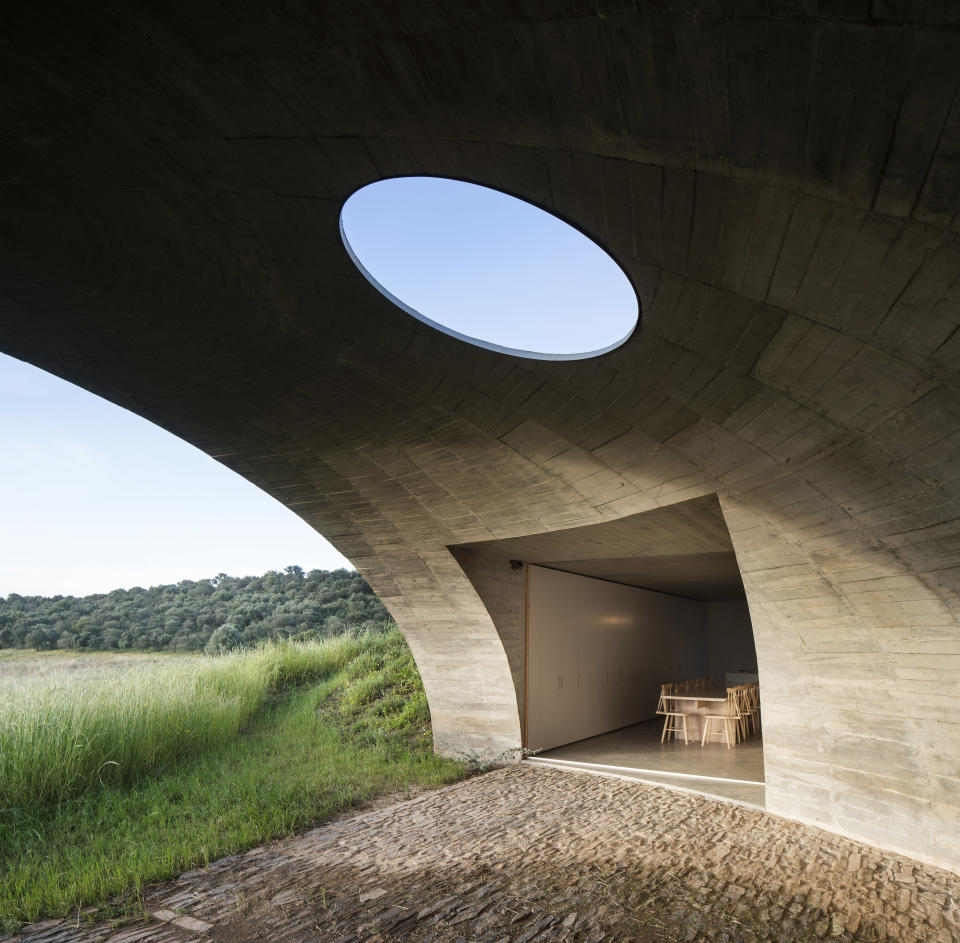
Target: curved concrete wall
point(780, 186)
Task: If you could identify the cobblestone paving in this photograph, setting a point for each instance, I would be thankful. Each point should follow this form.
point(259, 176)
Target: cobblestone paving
point(531, 853)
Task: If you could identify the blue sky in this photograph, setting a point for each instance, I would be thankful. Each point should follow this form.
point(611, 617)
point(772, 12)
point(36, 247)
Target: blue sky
point(94, 498)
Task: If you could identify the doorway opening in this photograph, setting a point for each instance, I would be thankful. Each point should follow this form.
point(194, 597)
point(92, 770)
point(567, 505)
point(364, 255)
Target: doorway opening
point(613, 611)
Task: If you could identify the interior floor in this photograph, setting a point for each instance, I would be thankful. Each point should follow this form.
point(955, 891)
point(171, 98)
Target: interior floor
point(732, 774)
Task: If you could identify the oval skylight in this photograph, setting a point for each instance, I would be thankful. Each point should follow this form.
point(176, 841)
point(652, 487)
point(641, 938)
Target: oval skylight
point(488, 268)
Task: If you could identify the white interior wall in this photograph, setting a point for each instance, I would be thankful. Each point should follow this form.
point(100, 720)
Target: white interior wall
point(597, 653)
point(730, 645)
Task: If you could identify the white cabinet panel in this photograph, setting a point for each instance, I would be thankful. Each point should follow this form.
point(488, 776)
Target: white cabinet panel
point(597, 653)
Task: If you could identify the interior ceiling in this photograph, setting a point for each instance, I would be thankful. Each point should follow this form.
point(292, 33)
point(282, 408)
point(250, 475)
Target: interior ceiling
point(709, 577)
point(683, 549)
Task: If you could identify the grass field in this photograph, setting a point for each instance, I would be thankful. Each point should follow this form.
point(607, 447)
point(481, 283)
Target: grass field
point(116, 771)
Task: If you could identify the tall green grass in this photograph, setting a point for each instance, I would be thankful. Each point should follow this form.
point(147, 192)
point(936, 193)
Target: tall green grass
point(60, 738)
point(213, 756)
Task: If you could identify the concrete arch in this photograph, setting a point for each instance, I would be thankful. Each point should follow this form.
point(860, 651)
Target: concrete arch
point(780, 187)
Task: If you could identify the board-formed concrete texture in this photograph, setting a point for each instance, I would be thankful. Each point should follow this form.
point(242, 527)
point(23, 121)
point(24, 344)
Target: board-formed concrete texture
point(778, 179)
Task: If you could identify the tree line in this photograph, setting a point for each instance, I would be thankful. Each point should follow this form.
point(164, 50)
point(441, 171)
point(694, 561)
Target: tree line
point(185, 616)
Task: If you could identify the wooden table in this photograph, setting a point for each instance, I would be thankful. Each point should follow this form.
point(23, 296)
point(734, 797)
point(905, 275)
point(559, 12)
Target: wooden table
point(696, 704)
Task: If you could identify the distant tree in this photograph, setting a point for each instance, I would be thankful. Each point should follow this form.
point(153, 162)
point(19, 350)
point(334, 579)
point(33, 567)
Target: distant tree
point(334, 625)
point(41, 638)
point(227, 638)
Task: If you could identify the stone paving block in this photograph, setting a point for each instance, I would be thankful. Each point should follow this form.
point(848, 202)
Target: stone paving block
point(192, 924)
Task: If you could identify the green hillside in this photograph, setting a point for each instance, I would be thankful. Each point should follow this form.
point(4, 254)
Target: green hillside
point(184, 616)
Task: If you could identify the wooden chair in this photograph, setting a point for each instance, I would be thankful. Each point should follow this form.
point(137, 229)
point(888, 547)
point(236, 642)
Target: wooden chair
point(747, 724)
point(663, 705)
point(754, 695)
point(675, 722)
point(728, 722)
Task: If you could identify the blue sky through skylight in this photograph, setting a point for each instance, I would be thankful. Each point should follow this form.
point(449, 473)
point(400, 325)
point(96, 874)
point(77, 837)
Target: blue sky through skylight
point(489, 266)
